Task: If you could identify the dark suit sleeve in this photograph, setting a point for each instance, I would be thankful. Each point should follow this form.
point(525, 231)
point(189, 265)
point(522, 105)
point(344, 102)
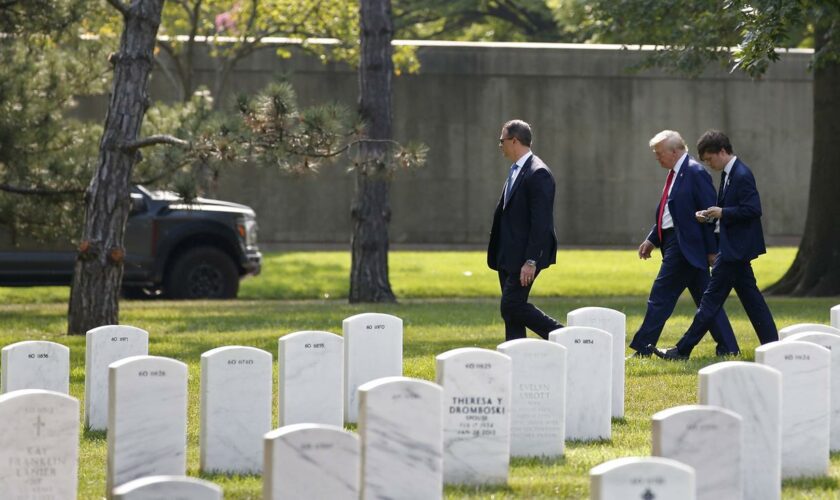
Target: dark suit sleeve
point(748, 202)
point(705, 197)
point(541, 205)
point(653, 236)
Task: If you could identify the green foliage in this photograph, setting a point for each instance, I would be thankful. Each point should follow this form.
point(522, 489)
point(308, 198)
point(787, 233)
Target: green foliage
point(690, 34)
point(234, 30)
point(476, 20)
point(39, 16)
point(46, 67)
point(278, 133)
point(192, 170)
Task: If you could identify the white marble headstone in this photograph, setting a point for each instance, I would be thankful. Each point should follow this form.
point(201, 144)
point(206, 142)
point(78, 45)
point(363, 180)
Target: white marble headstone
point(311, 461)
point(103, 346)
point(588, 381)
point(753, 391)
point(373, 346)
point(615, 323)
point(168, 488)
point(311, 378)
point(642, 478)
point(39, 445)
point(35, 364)
point(476, 415)
point(538, 397)
point(147, 419)
point(707, 438)
point(832, 343)
point(807, 327)
point(805, 368)
point(235, 409)
point(835, 316)
point(401, 431)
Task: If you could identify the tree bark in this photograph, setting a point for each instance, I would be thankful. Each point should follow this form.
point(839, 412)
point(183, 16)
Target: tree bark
point(99, 264)
point(371, 209)
point(816, 269)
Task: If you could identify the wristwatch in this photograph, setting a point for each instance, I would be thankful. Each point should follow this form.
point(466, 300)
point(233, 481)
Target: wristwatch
point(531, 262)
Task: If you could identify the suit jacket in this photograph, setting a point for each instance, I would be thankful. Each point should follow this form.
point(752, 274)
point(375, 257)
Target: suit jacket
point(524, 229)
point(692, 191)
point(741, 237)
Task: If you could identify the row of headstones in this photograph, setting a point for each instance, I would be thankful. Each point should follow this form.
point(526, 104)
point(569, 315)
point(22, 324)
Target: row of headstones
point(157, 389)
point(406, 442)
point(371, 348)
point(756, 424)
point(310, 379)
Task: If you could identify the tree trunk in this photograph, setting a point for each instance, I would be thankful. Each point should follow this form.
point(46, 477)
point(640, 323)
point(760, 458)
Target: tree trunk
point(816, 269)
point(371, 210)
point(99, 264)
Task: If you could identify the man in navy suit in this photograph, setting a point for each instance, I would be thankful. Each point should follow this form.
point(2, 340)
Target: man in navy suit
point(737, 218)
point(688, 248)
point(522, 241)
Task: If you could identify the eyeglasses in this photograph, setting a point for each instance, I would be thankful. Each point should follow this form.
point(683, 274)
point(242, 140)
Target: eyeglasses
point(503, 139)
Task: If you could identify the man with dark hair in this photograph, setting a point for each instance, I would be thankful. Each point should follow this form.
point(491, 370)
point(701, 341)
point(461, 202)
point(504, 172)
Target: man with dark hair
point(737, 217)
point(522, 241)
point(688, 249)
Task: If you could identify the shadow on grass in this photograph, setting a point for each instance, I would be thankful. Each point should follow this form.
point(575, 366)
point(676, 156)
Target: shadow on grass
point(658, 367)
point(620, 422)
point(537, 461)
point(580, 443)
point(811, 484)
point(485, 490)
point(215, 476)
point(94, 435)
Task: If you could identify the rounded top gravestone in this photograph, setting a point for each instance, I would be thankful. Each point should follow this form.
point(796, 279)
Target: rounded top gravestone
point(807, 327)
point(168, 488)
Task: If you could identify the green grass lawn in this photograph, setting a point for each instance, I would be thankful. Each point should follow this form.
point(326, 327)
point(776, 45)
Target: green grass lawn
point(447, 300)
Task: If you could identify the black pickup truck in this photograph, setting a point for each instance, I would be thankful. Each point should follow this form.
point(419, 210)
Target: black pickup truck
point(174, 249)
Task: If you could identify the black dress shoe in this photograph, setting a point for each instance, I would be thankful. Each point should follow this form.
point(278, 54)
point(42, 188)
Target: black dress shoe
point(640, 354)
point(671, 354)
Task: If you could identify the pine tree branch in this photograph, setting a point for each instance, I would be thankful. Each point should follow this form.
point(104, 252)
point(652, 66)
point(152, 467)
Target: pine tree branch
point(154, 140)
point(332, 153)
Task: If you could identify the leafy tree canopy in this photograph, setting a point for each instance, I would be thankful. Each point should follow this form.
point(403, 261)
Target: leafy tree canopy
point(691, 34)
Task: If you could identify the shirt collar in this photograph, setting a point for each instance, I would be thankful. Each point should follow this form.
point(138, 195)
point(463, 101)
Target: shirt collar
point(679, 163)
point(522, 159)
point(728, 167)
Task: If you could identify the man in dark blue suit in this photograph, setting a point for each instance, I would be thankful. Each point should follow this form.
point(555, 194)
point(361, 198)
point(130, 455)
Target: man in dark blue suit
point(688, 248)
point(523, 241)
point(737, 217)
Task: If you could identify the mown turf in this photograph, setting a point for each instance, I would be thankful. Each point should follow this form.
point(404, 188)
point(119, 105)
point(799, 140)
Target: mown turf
point(442, 309)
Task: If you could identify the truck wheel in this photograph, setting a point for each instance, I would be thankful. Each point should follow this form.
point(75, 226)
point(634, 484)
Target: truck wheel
point(202, 273)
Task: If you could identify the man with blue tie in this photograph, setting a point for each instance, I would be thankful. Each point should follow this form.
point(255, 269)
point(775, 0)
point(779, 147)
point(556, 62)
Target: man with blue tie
point(522, 240)
point(688, 248)
point(737, 220)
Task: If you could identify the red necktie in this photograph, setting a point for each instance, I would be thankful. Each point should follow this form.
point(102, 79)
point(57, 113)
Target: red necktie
point(662, 204)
